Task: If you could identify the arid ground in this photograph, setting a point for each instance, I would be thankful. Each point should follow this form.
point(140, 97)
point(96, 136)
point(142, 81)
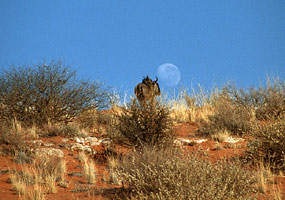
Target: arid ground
point(77, 186)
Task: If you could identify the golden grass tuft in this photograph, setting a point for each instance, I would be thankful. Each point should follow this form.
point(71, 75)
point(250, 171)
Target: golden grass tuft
point(113, 164)
point(19, 186)
point(180, 112)
point(88, 168)
point(220, 136)
point(268, 181)
point(32, 132)
point(34, 181)
point(194, 107)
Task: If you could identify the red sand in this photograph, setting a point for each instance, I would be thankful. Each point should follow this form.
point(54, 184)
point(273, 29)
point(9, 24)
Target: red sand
point(183, 130)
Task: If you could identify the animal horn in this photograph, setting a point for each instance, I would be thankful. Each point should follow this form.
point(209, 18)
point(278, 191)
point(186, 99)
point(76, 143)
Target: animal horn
point(156, 79)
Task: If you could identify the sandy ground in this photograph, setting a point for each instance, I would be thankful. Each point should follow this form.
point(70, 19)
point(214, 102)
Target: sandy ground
point(183, 130)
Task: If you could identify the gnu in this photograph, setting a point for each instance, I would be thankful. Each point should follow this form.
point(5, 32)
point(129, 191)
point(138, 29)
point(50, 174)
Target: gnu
point(147, 90)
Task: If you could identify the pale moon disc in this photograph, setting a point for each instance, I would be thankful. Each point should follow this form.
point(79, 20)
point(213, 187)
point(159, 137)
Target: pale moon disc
point(169, 74)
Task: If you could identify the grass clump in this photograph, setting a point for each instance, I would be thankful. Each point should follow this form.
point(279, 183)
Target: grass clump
point(156, 173)
point(269, 145)
point(139, 126)
point(200, 104)
point(25, 191)
point(34, 181)
point(88, 168)
point(47, 166)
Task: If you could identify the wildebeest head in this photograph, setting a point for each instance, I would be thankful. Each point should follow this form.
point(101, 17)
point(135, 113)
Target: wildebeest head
point(147, 90)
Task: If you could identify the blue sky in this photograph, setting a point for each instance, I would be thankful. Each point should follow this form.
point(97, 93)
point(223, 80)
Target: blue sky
point(120, 41)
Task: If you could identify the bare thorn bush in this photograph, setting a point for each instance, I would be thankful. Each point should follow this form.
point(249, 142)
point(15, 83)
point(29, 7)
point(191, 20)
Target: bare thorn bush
point(47, 93)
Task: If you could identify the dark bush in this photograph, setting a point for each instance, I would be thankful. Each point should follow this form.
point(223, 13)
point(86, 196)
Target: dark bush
point(137, 126)
point(47, 93)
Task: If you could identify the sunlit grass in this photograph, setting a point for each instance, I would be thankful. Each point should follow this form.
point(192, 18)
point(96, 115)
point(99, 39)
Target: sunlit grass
point(38, 179)
point(88, 167)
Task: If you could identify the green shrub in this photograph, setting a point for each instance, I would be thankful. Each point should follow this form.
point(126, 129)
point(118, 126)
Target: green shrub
point(47, 94)
point(169, 174)
point(269, 145)
point(138, 126)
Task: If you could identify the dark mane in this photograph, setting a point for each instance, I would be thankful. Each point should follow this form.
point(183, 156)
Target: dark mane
point(146, 80)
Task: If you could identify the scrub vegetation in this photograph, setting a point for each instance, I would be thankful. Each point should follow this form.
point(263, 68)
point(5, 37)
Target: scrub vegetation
point(137, 146)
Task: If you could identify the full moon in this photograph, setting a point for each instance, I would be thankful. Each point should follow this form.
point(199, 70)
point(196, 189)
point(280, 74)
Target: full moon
point(169, 74)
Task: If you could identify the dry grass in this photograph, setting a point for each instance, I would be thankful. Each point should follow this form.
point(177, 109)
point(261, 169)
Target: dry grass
point(35, 193)
point(180, 112)
point(112, 164)
point(220, 136)
point(50, 182)
point(19, 186)
point(82, 157)
point(93, 120)
point(265, 177)
point(33, 132)
point(16, 126)
point(198, 113)
point(88, 168)
point(268, 181)
point(90, 172)
point(195, 107)
point(34, 181)
point(28, 189)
